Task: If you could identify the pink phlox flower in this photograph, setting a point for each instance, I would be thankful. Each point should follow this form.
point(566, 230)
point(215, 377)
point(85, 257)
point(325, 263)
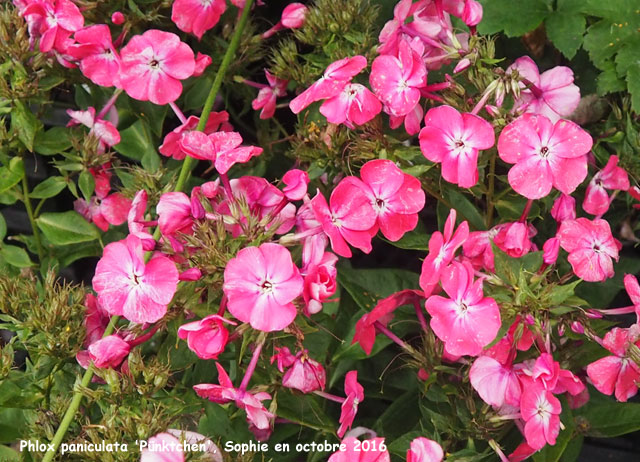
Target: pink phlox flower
point(454, 139)
point(551, 94)
point(162, 447)
point(596, 199)
point(224, 393)
point(129, 287)
point(207, 337)
point(296, 182)
point(397, 80)
point(411, 120)
point(495, 381)
point(95, 321)
point(515, 238)
point(99, 60)
point(541, 412)
point(354, 452)
point(354, 105)
point(442, 248)
point(112, 210)
point(348, 218)
point(221, 148)
point(564, 208)
point(176, 216)
point(616, 373)
point(365, 331)
point(202, 62)
point(171, 146)
point(293, 17)
point(470, 11)
point(520, 334)
point(320, 283)
point(53, 21)
point(153, 64)
point(423, 449)
point(108, 352)
point(118, 18)
point(197, 16)
point(355, 395)
point(103, 130)
point(304, 374)
point(334, 79)
point(268, 94)
point(260, 283)
point(633, 290)
point(102, 178)
point(467, 321)
point(135, 220)
point(283, 358)
point(522, 452)
point(591, 248)
point(477, 249)
point(545, 155)
point(396, 197)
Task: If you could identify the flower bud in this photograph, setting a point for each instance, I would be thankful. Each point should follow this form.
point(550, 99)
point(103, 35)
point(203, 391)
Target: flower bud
point(117, 18)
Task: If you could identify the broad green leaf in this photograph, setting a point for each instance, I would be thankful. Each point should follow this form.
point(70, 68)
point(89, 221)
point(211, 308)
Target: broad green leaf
point(12, 174)
point(633, 82)
point(466, 210)
point(417, 239)
point(367, 286)
point(609, 419)
point(66, 228)
point(15, 256)
point(136, 141)
point(52, 141)
point(48, 188)
point(609, 81)
point(87, 184)
point(25, 124)
point(8, 455)
point(565, 30)
point(514, 19)
point(67, 254)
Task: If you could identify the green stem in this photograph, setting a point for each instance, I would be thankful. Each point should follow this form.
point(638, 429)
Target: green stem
point(32, 219)
point(189, 162)
point(75, 401)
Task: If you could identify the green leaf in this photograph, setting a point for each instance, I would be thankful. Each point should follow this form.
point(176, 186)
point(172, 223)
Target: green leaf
point(25, 124)
point(8, 455)
point(12, 174)
point(136, 142)
point(52, 141)
point(367, 286)
point(608, 80)
point(3, 227)
point(417, 239)
point(633, 82)
point(466, 210)
point(15, 256)
point(609, 419)
point(69, 253)
point(48, 188)
point(66, 228)
point(515, 20)
point(87, 184)
point(565, 30)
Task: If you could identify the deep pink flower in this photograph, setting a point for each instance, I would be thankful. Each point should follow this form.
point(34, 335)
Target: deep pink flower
point(95, 321)
point(174, 214)
point(197, 16)
point(293, 17)
point(128, 287)
point(515, 238)
point(616, 373)
point(221, 148)
point(470, 11)
point(455, 139)
point(442, 248)
point(99, 60)
point(355, 395)
point(467, 321)
point(153, 65)
point(206, 337)
point(171, 146)
point(540, 410)
point(397, 81)
point(551, 248)
point(112, 210)
point(320, 283)
point(396, 197)
point(260, 284)
point(296, 182)
point(334, 79)
point(564, 208)
point(354, 105)
point(162, 447)
point(136, 223)
point(424, 450)
point(102, 178)
point(257, 416)
point(411, 121)
point(348, 218)
point(117, 18)
point(268, 94)
point(354, 451)
point(109, 351)
point(304, 373)
point(202, 62)
point(596, 199)
point(591, 248)
point(54, 21)
point(104, 130)
point(633, 290)
point(551, 94)
point(545, 155)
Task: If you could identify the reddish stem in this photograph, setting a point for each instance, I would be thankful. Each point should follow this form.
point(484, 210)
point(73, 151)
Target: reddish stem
point(525, 212)
point(178, 112)
point(383, 330)
point(420, 315)
point(329, 396)
point(252, 366)
point(110, 102)
point(144, 337)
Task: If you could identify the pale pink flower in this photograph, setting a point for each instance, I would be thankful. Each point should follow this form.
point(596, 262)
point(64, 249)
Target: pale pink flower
point(334, 79)
point(206, 337)
point(162, 447)
point(477, 249)
point(354, 451)
point(396, 197)
point(171, 146)
point(129, 287)
point(596, 199)
point(397, 81)
point(541, 412)
point(616, 373)
point(442, 248)
point(260, 284)
point(515, 238)
point(109, 351)
point(355, 395)
point(495, 382)
point(197, 16)
point(423, 449)
point(112, 210)
point(174, 214)
point(135, 220)
point(591, 248)
point(268, 94)
point(53, 21)
point(550, 249)
point(545, 155)
point(564, 208)
point(153, 65)
point(551, 94)
point(467, 321)
point(455, 139)
point(103, 130)
point(348, 218)
point(354, 105)
point(633, 290)
point(296, 182)
point(320, 283)
point(470, 11)
point(99, 60)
